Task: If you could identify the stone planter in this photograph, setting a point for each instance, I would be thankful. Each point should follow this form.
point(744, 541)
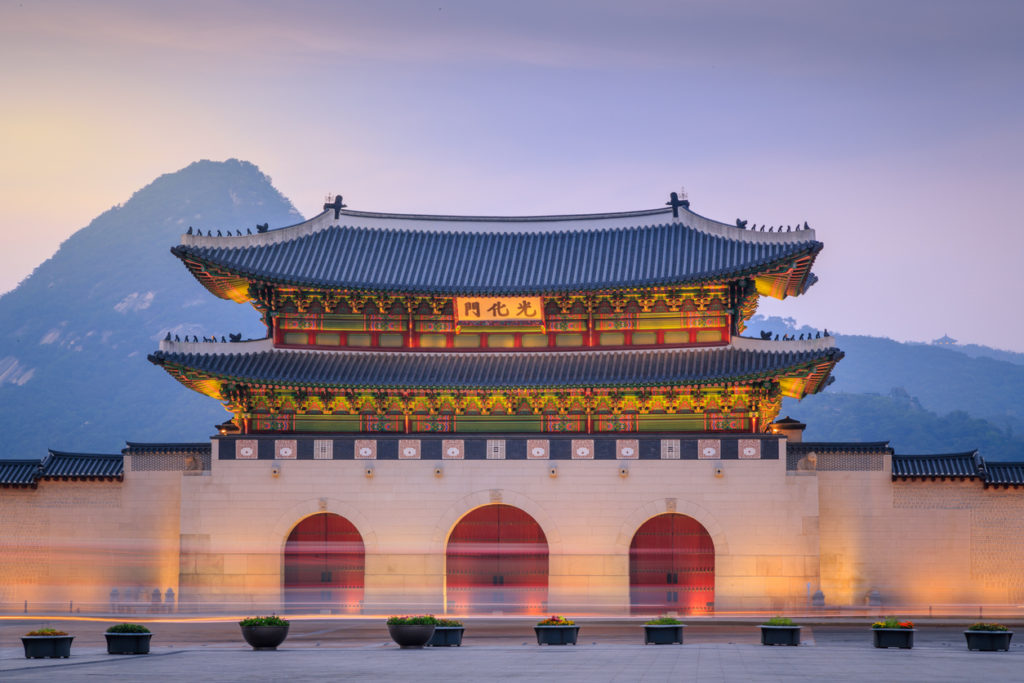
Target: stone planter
point(447, 636)
point(988, 641)
point(663, 634)
point(411, 635)
point(264, 637)
point(780, 635)
point(128, 643)
point(556, 635)
point(902, 638)
point(38, 647)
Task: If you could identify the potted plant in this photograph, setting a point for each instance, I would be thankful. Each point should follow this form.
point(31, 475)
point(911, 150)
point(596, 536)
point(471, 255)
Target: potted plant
point(128, 639)
point(780, 631)
point(264, 633)
point(447, 632)
point(46, 642)
point(893, 633)
point(556, 630)
point(663, 631)
point(988, 637)
point(412, 631)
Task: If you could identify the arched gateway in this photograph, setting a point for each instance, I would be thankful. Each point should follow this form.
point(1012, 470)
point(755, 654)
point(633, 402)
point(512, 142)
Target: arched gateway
point(672, 566)
point(497, 560)
point(324, 565)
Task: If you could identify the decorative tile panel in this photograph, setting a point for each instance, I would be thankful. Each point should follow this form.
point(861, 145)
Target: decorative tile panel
point(453, 449)
point(246, 449)
point(709, 449)
point(365, 449)
point(627, 449)
point(323, 449)
point(285, 449)
point(670, 449)
point(496, 449)
point(582, 449)
point(537, 449)
point(409, 449)
point(750, 449)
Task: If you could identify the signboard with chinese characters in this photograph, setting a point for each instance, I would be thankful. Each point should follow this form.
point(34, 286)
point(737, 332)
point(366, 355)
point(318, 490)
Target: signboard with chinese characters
point(522, 310)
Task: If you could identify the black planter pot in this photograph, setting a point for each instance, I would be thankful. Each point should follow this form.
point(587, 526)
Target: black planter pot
point(128, 643)
point(780, 635)
point(447, 636)
point(264, 637)
point(38, 647)
point(663, 634)
point(556, 635)
point(411, 635)
point(988, 641)
point(902, 638)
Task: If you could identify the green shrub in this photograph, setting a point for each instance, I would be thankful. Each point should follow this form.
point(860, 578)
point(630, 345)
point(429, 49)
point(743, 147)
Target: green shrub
point(779, 621)
point(264, 621)
point(448, 622)
point(664, 621)
point(128, 628)
point(46, 632)
point(893, 622)
point(981, 626)
point(415, 620)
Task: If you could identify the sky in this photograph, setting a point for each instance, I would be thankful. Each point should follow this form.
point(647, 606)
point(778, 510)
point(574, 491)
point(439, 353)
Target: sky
point(895, 129)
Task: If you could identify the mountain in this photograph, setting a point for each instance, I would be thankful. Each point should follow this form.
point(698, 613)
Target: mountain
point(73, 368)
point(923, 398)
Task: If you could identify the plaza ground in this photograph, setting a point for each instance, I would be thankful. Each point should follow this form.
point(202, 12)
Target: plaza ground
point(505, 648)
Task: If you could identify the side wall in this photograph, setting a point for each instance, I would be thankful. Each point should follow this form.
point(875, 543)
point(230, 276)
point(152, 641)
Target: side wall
point(947, 544)
point(68, 544)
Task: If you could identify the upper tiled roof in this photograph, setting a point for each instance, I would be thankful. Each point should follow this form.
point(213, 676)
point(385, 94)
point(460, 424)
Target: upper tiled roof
point(954, 465)
point(19, 472)
point(61, 465)
point(452, 255)
point(1004, 473)
point(745, 359)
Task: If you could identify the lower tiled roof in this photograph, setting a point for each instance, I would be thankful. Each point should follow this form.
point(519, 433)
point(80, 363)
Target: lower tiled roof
point(370, 369)
point(191, 448)
point(62, 465)
point(1004, 473)
point(19, 472)
point(953, 465)
point(804, 447)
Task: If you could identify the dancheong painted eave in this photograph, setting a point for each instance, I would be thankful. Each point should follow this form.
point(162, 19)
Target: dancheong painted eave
point(743, 361)
point(471, 255)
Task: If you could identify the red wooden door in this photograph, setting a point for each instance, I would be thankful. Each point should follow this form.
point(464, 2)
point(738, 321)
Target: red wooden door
point(324, 565)
point(497, 561)
point(672, 567)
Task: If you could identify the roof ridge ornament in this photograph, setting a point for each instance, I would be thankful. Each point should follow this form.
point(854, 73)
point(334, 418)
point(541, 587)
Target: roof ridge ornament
point(675, 202)
point(337, 205)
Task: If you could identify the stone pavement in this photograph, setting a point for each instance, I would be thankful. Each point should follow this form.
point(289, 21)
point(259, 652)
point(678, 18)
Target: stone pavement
point(504, 649)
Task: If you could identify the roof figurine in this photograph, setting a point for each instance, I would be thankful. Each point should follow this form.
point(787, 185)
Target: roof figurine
point(337, 205)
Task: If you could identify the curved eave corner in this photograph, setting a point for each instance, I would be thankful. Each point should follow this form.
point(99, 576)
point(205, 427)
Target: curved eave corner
point(196, 380)
point(792, 280)
point(219, 281)
point(818, 375)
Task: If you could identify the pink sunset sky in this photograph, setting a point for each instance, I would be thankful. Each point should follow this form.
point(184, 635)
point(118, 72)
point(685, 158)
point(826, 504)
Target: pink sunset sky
point(896, 129)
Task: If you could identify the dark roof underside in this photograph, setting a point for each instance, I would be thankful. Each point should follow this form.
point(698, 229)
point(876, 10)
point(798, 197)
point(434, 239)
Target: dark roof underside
point(500, 263)
point(412, 370)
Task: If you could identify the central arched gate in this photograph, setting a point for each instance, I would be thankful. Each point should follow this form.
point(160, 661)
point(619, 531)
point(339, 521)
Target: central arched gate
point(497, 561)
